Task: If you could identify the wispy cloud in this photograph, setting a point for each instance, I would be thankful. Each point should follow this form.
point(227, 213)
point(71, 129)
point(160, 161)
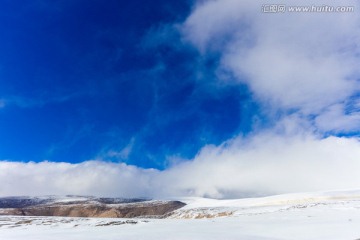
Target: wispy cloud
point(305, 62)
point(38, 101)
point(2, 103)
point(337, 119)
point(122, 154)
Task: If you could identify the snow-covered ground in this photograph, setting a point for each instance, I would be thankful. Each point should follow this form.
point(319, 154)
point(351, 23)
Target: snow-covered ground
point(331, 215)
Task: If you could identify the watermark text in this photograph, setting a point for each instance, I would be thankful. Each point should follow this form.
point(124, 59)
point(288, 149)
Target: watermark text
point(282, 8)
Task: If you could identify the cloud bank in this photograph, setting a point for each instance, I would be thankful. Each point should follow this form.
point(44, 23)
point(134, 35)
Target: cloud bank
point(89, 178)
point(266, 163)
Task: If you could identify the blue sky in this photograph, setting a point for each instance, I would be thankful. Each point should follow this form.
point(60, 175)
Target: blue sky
point(102, 92)
point(82, 78)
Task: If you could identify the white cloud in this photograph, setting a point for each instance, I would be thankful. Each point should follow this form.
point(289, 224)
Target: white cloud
point(336, 119)
point(123, 153)
point(303, 61)
point(87, 178)
point(266, 163)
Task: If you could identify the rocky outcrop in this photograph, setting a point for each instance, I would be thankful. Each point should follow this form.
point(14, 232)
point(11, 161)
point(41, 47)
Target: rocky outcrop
point(92, 208)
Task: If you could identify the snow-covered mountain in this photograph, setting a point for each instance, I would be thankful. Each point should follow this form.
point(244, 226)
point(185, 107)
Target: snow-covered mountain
point(27, 201)
point(211, 208)
point(324, 215)
point(84, 206)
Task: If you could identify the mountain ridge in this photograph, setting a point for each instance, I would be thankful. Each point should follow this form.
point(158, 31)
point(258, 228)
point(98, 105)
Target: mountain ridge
point(87, 206)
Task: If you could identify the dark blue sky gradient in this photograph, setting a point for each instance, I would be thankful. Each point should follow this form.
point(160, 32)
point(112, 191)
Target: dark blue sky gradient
point(83, 78)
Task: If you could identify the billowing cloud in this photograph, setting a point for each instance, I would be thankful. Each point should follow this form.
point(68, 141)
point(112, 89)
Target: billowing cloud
point(306, 62)
point(87, 178)
point(266, 163)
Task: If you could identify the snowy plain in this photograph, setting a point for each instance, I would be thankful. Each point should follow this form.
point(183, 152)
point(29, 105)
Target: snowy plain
point(326, 215)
